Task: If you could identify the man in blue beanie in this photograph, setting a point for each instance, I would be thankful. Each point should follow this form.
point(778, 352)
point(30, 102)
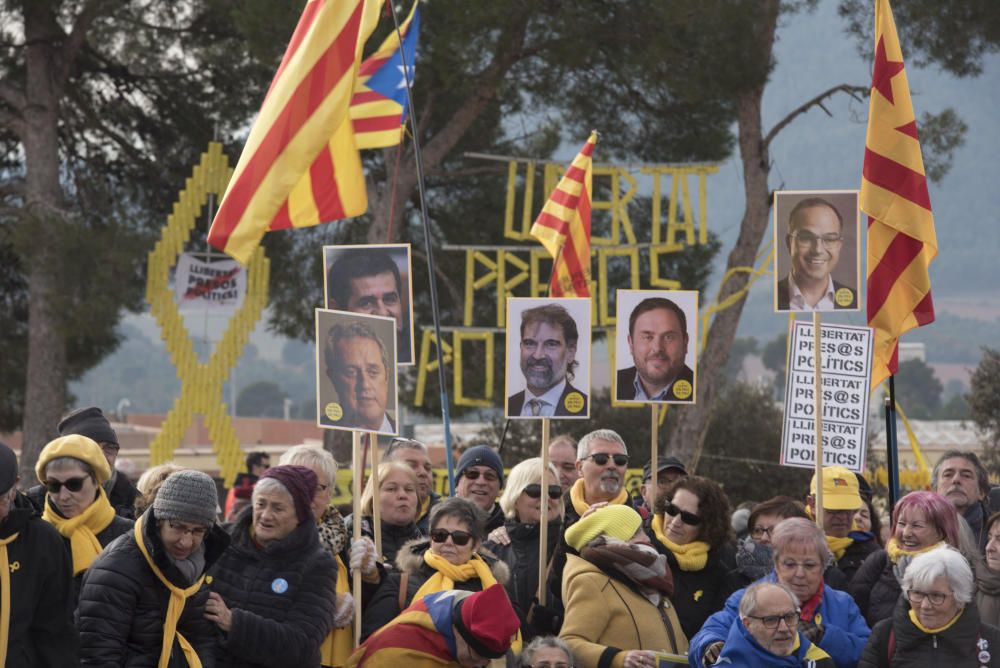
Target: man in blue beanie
point(479, 478)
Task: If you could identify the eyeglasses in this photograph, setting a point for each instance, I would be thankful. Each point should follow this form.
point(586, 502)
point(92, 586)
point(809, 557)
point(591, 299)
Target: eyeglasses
point(935, 597)
point(792, 566)
point(686, 517)
point(758, 532)
point(472, 474)
point(535, 491)
point(72, 484)
point(790, 619)
point(180, 530)
point(400, 443)
point(459, 538)
point(806, 239)
point(601, 458)
point(320, 487)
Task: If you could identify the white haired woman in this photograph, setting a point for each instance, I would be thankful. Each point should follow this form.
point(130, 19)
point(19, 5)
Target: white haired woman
point(935, 622)
point(546, 652)
point(522, 501)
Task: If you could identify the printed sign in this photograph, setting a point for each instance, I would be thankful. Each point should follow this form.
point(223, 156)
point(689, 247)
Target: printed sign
point(200, 285)
point(846, 354)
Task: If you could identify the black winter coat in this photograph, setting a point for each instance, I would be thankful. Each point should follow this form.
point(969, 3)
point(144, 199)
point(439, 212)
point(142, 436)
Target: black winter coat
point(875, 588)
point(123, 605)
point(41, 632)
point(958, 646)
point(393, 536)
point(855, 555)
point(282, 596)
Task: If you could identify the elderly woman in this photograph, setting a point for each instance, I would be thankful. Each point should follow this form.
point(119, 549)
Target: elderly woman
point(522, 502)
point(546, 652)
point(333, 537)
point(933, 623)
point(143, 599)
point(617, 593)
point(988, 574)
point(449, 559)
point(691, 527)
point(921, 521)
point(149, 484)
point(828, 618)
point(274, 589)
point(398, 508)
point(72, 470)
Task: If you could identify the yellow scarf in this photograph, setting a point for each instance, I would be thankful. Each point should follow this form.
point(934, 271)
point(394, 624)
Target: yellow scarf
point(340, 642)
point(424, 506)
point(895, 552)
point(690, 557)
point(5, 597)
point(82, 530)
point(916, 622)
point(178, 597)
point(580, 504)
point(448, 574)
point(814, 653)
point(839, 545)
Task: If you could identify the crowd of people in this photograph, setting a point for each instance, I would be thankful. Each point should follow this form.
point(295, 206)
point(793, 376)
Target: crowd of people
point(97, 572)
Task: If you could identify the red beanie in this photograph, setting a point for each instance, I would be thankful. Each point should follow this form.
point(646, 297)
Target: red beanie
point(301, 484)
point(487, 622)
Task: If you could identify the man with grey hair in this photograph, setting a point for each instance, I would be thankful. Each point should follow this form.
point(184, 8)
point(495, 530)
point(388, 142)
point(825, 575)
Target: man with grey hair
point(413, 453)
point(601, 460)
point(962, 479)
point(358, 366)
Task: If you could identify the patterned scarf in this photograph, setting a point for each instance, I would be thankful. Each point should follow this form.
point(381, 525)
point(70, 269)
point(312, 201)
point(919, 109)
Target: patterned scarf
point(82, 530)
point(580, 504)
point(754, 560)
point(640, 564)
point(691, 556)
point(332, 531)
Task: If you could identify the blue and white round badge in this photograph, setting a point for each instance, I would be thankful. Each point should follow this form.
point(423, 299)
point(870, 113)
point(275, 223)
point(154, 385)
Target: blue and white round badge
point(279, 585)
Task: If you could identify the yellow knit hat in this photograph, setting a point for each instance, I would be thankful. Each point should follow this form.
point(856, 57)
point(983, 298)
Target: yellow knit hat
point(76, 446)
point(618, 521)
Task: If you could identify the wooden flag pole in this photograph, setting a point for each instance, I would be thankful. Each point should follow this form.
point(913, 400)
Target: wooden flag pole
point(359, 473)
point(818, 364)
point(543, 520)
point(376, 506)
point(654, 438)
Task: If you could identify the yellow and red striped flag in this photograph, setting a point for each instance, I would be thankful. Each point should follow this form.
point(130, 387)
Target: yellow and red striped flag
point(901, 237)
point(563, 226)
point(300, 165)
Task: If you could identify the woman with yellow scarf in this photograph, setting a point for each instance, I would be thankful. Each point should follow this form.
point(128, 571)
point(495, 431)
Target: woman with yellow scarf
point(921, 521)
point(73, 469)
point(691, 527)
point(451, 559)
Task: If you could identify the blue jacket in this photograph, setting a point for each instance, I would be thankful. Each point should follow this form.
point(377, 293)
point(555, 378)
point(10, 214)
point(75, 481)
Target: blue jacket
point(743, 651)
point(845, 630)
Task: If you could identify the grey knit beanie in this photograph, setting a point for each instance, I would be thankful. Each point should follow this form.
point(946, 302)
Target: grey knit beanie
point(187, 496)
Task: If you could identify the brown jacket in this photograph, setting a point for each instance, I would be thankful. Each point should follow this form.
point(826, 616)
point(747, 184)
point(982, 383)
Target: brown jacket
point(605, 617)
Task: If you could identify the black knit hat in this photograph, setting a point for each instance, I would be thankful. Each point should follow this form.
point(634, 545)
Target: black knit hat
point(187, 496)
point(8, 468)
point(89, 422)
point(480, 455)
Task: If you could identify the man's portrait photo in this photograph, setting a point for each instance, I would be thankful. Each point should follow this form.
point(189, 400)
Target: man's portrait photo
point(655, 342)
point(548, 358)
point(817, 252)
point(375, 280)
point(356, 372)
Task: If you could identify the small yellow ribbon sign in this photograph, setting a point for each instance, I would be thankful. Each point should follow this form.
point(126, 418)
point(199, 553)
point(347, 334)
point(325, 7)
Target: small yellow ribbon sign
point(201, 383)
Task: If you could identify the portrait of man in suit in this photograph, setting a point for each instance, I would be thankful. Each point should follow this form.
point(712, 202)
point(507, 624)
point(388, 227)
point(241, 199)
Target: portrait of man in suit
point(658, 342)
point(548, 346)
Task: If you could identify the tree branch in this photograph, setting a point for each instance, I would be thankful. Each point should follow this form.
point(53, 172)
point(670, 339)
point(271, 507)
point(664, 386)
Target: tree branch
point(13, 122)
point(12, 95)
point(76, 38)
point(857, 92)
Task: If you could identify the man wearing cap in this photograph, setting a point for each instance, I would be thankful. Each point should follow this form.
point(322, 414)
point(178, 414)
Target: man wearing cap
point(668, 470)
point(841, 499)
point(479, 478)
point(447, 628)
point(36, 583)
point(92, 423)
point(148, 586)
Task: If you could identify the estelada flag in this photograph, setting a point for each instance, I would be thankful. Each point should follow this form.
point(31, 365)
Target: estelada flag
point(300, 165)
point(563, 226)
point(901, 237)
point(379, 105)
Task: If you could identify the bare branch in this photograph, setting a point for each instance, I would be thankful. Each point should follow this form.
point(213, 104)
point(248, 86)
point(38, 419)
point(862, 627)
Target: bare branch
point(12, 122)
point(12, 95)
point(857, 92)
point(77, 37)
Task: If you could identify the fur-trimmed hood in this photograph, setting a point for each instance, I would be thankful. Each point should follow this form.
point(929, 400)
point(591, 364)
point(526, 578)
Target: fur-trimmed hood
point(410, 559)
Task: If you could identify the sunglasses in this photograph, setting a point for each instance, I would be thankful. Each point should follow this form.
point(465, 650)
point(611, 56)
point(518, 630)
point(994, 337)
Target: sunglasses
point(601, 458)
point(688, 518)
point(535, 491)
point(459, 538)
point(490, 476)
point(72, 484)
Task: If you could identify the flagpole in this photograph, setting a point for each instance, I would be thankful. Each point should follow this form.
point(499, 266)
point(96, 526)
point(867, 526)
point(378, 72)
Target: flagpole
point(412, 118)
point(891, 444)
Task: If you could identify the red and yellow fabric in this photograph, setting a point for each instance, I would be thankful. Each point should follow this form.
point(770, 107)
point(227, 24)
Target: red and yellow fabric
point(901, 237)
point(422, 635)
point(300, 165)
point(563, 226)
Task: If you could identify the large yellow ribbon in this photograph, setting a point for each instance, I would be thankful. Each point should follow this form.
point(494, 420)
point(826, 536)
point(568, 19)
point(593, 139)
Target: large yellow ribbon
point(691, 556)
point(580, 503)
point(178, 597)
point(5, 597)
point(82, 530)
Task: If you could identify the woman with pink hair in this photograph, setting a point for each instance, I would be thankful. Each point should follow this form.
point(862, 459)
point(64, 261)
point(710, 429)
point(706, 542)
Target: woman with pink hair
point(921, 521)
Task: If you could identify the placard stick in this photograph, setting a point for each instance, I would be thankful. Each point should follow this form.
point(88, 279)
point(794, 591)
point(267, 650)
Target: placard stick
point(818, 364)
point(359, 473)
point(543, 521)
point(376, 510)
point(654, 438)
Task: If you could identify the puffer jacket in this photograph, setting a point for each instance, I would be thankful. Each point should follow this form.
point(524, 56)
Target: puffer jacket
point(123, 605)
point(282, 596)
point(875, 588)
point(743, 651)
point(384, 607)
